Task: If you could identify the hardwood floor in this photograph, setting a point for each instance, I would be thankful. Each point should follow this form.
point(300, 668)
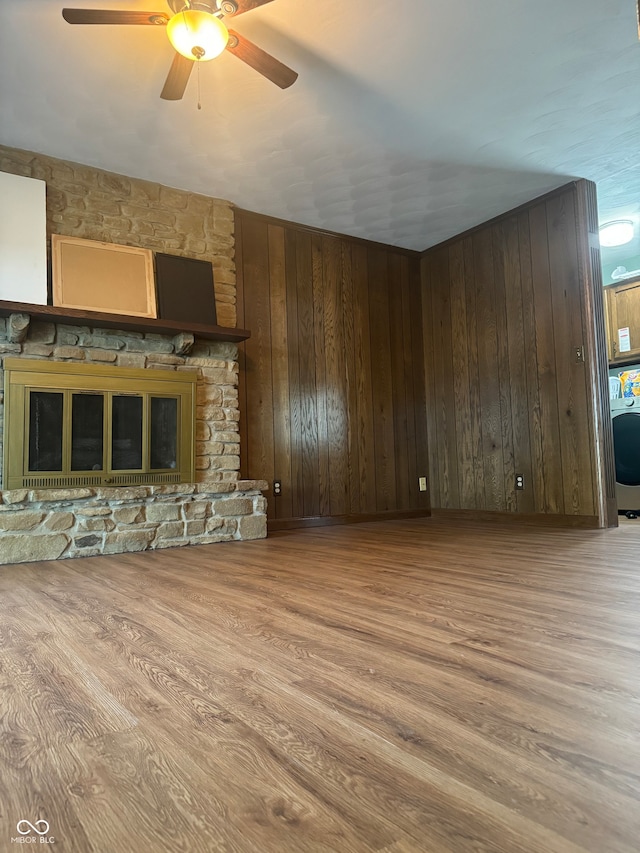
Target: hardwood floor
point(400, 686)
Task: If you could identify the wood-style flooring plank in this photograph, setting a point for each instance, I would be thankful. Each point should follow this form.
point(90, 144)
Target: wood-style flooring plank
point(400, 686)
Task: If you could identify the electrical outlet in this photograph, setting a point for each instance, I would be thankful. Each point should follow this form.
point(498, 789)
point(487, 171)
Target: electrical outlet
point(422, 484)
point(277, 487)
point(520, 482)
point(579, 353)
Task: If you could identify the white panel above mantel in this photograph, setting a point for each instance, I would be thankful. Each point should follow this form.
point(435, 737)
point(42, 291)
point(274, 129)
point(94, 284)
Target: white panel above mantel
point(23, 239)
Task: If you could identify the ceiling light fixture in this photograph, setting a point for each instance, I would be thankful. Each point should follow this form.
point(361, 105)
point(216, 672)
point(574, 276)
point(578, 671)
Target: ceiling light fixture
point(616, 233)
point(197, 35)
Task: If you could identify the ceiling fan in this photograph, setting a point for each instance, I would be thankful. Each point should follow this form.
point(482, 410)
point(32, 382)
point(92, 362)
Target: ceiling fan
point(197, 32)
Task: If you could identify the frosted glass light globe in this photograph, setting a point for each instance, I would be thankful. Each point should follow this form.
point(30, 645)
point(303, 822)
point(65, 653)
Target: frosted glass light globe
point(197, 35)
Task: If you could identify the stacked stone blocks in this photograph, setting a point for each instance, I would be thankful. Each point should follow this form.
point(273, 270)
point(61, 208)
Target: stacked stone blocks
point(96, 205)
point(217, 415)
point(51, 524)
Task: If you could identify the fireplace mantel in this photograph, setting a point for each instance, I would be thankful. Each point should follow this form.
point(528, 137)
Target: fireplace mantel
point(96, 319)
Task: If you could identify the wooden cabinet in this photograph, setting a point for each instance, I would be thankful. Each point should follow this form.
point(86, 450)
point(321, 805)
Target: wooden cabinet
point(623, 321)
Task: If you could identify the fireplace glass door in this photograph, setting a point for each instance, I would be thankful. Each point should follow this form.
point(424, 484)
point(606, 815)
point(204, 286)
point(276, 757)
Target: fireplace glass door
point(91, 436)
point(87, 432)
point(139, 426)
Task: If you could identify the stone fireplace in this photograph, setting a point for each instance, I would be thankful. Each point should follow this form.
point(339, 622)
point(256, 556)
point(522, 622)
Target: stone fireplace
point(52, 523)
point(215, 505)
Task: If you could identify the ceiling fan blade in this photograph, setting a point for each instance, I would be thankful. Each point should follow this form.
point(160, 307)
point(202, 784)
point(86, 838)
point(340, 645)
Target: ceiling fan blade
point(177, 78)
point(262, 62)
point(248, 5)
point(111, 16)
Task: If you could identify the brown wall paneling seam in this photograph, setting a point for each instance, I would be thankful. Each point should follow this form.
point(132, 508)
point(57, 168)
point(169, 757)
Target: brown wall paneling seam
point(351, 377)
point(595, 343)
point(258, 355)
point(364, 375)
point(475, 408)
point(414, 310)
point(397, 287)
point(576, 442)
point(461, 358)
point(283, 503)
point(487, 332)
point(338, 413)
point(551, 460)
point(531, 364)
point(382, 380)
point(308, 386)
point(322, 343)
point(296, 484)
point(432, 421)
point(518, 391)
point(503, 321)
point(242, 358)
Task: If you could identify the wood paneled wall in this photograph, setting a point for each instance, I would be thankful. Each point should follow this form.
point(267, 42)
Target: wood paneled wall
point(506, 307)
point(332, 378)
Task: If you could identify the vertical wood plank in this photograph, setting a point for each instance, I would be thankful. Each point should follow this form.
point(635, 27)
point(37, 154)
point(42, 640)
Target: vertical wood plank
point(504, 378)
point(282, 504)
point(242, 367)
point(444, 379)
point(461, 366)
point(475, 408)
point(336, 390)
point(258, 362)
point(417, 389)
point(295, 389)
point(577, 461)
point(351, 378)
point(432, 419)
point(536, 425)
point(397, 295)
point(593, 313)
point(551, 460)
point(319, 337)
point(517, 363)
point(308, 387)
point(487, 335)
point(381, 377)
point(364, 373)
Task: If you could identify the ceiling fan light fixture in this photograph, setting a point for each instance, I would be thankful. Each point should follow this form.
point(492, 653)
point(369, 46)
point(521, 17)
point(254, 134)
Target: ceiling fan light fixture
point(616, 233)
point(197, 34)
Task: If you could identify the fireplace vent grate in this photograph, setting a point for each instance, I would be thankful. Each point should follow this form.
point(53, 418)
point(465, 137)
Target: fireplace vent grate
point(113, 480)
point(138, 479)
point(59, 482)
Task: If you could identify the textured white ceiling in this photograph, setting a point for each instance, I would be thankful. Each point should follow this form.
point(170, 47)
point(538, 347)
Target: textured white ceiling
point(411, 120)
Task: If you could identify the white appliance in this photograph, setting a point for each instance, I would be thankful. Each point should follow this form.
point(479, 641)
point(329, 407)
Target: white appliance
point(625, 413)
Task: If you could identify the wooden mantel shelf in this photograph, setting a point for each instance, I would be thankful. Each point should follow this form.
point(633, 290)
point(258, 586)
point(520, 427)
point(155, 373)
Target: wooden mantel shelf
point(75, 317)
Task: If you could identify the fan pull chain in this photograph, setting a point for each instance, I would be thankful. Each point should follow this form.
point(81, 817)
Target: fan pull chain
point(198, 72)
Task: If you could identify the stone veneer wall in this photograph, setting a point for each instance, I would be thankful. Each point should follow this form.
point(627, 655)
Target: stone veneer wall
point(86, 202)
point(49, 524)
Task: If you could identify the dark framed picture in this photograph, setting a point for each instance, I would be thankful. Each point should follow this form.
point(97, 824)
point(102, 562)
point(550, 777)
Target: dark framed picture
point(185, 289)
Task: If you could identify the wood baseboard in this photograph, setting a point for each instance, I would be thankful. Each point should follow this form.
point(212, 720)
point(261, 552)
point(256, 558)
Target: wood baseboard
point(275, 524)
point(587, 522)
